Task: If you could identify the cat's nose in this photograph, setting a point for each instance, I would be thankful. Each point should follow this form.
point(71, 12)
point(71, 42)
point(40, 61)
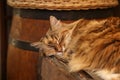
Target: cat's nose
point(59, 49)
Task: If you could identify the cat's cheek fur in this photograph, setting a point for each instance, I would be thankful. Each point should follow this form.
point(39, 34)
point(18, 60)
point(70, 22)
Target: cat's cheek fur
point(107, 75)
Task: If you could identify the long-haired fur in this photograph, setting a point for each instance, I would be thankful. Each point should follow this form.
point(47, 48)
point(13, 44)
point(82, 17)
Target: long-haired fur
point(87, 44)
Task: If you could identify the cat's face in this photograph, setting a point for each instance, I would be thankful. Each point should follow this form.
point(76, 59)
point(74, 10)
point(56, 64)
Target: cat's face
point(57, 38)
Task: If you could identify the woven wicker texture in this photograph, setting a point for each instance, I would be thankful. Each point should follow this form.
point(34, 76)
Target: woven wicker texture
point(63, 4)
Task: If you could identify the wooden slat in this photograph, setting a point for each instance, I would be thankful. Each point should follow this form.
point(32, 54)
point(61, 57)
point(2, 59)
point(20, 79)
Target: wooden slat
point(54, 69)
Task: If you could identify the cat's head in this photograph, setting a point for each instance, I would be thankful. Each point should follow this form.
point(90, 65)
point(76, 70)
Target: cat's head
point(57, 37)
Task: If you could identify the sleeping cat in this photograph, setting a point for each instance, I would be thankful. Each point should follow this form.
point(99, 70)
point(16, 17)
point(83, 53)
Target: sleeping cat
point(87, 44)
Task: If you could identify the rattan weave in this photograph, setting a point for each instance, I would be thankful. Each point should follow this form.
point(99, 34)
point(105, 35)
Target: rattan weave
point(63, 4)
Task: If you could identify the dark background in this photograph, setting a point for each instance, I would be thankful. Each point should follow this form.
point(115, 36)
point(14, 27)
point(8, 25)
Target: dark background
point(5, 22)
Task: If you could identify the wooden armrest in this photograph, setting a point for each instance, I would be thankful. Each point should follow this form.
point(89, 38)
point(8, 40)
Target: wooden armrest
point(54, 69)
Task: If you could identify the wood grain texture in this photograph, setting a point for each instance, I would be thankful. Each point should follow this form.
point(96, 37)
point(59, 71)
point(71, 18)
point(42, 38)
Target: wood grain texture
point(26, 29)
point(53, 69)
point(54, 72)
point(22, 64)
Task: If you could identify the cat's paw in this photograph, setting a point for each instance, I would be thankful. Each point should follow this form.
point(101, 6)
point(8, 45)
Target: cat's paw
point(107, 75)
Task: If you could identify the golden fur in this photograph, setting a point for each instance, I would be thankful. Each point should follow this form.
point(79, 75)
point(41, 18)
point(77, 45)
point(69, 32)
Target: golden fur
point(87, 44)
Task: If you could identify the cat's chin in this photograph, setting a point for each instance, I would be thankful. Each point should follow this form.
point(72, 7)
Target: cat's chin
point(59, 53)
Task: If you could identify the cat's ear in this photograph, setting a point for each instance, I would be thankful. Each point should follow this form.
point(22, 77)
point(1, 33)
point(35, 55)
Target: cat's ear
point(54, 22)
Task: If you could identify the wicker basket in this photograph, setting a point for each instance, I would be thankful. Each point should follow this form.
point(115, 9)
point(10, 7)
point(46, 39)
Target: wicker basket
point(63, 4)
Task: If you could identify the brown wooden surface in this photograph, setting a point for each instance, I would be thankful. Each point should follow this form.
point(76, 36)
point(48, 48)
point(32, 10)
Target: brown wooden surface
point(3, 40)
point(22, 64)
point(27, 29)
point(53, 69)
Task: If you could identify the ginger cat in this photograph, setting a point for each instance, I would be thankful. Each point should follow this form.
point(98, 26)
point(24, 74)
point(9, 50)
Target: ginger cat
point(87, 44)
